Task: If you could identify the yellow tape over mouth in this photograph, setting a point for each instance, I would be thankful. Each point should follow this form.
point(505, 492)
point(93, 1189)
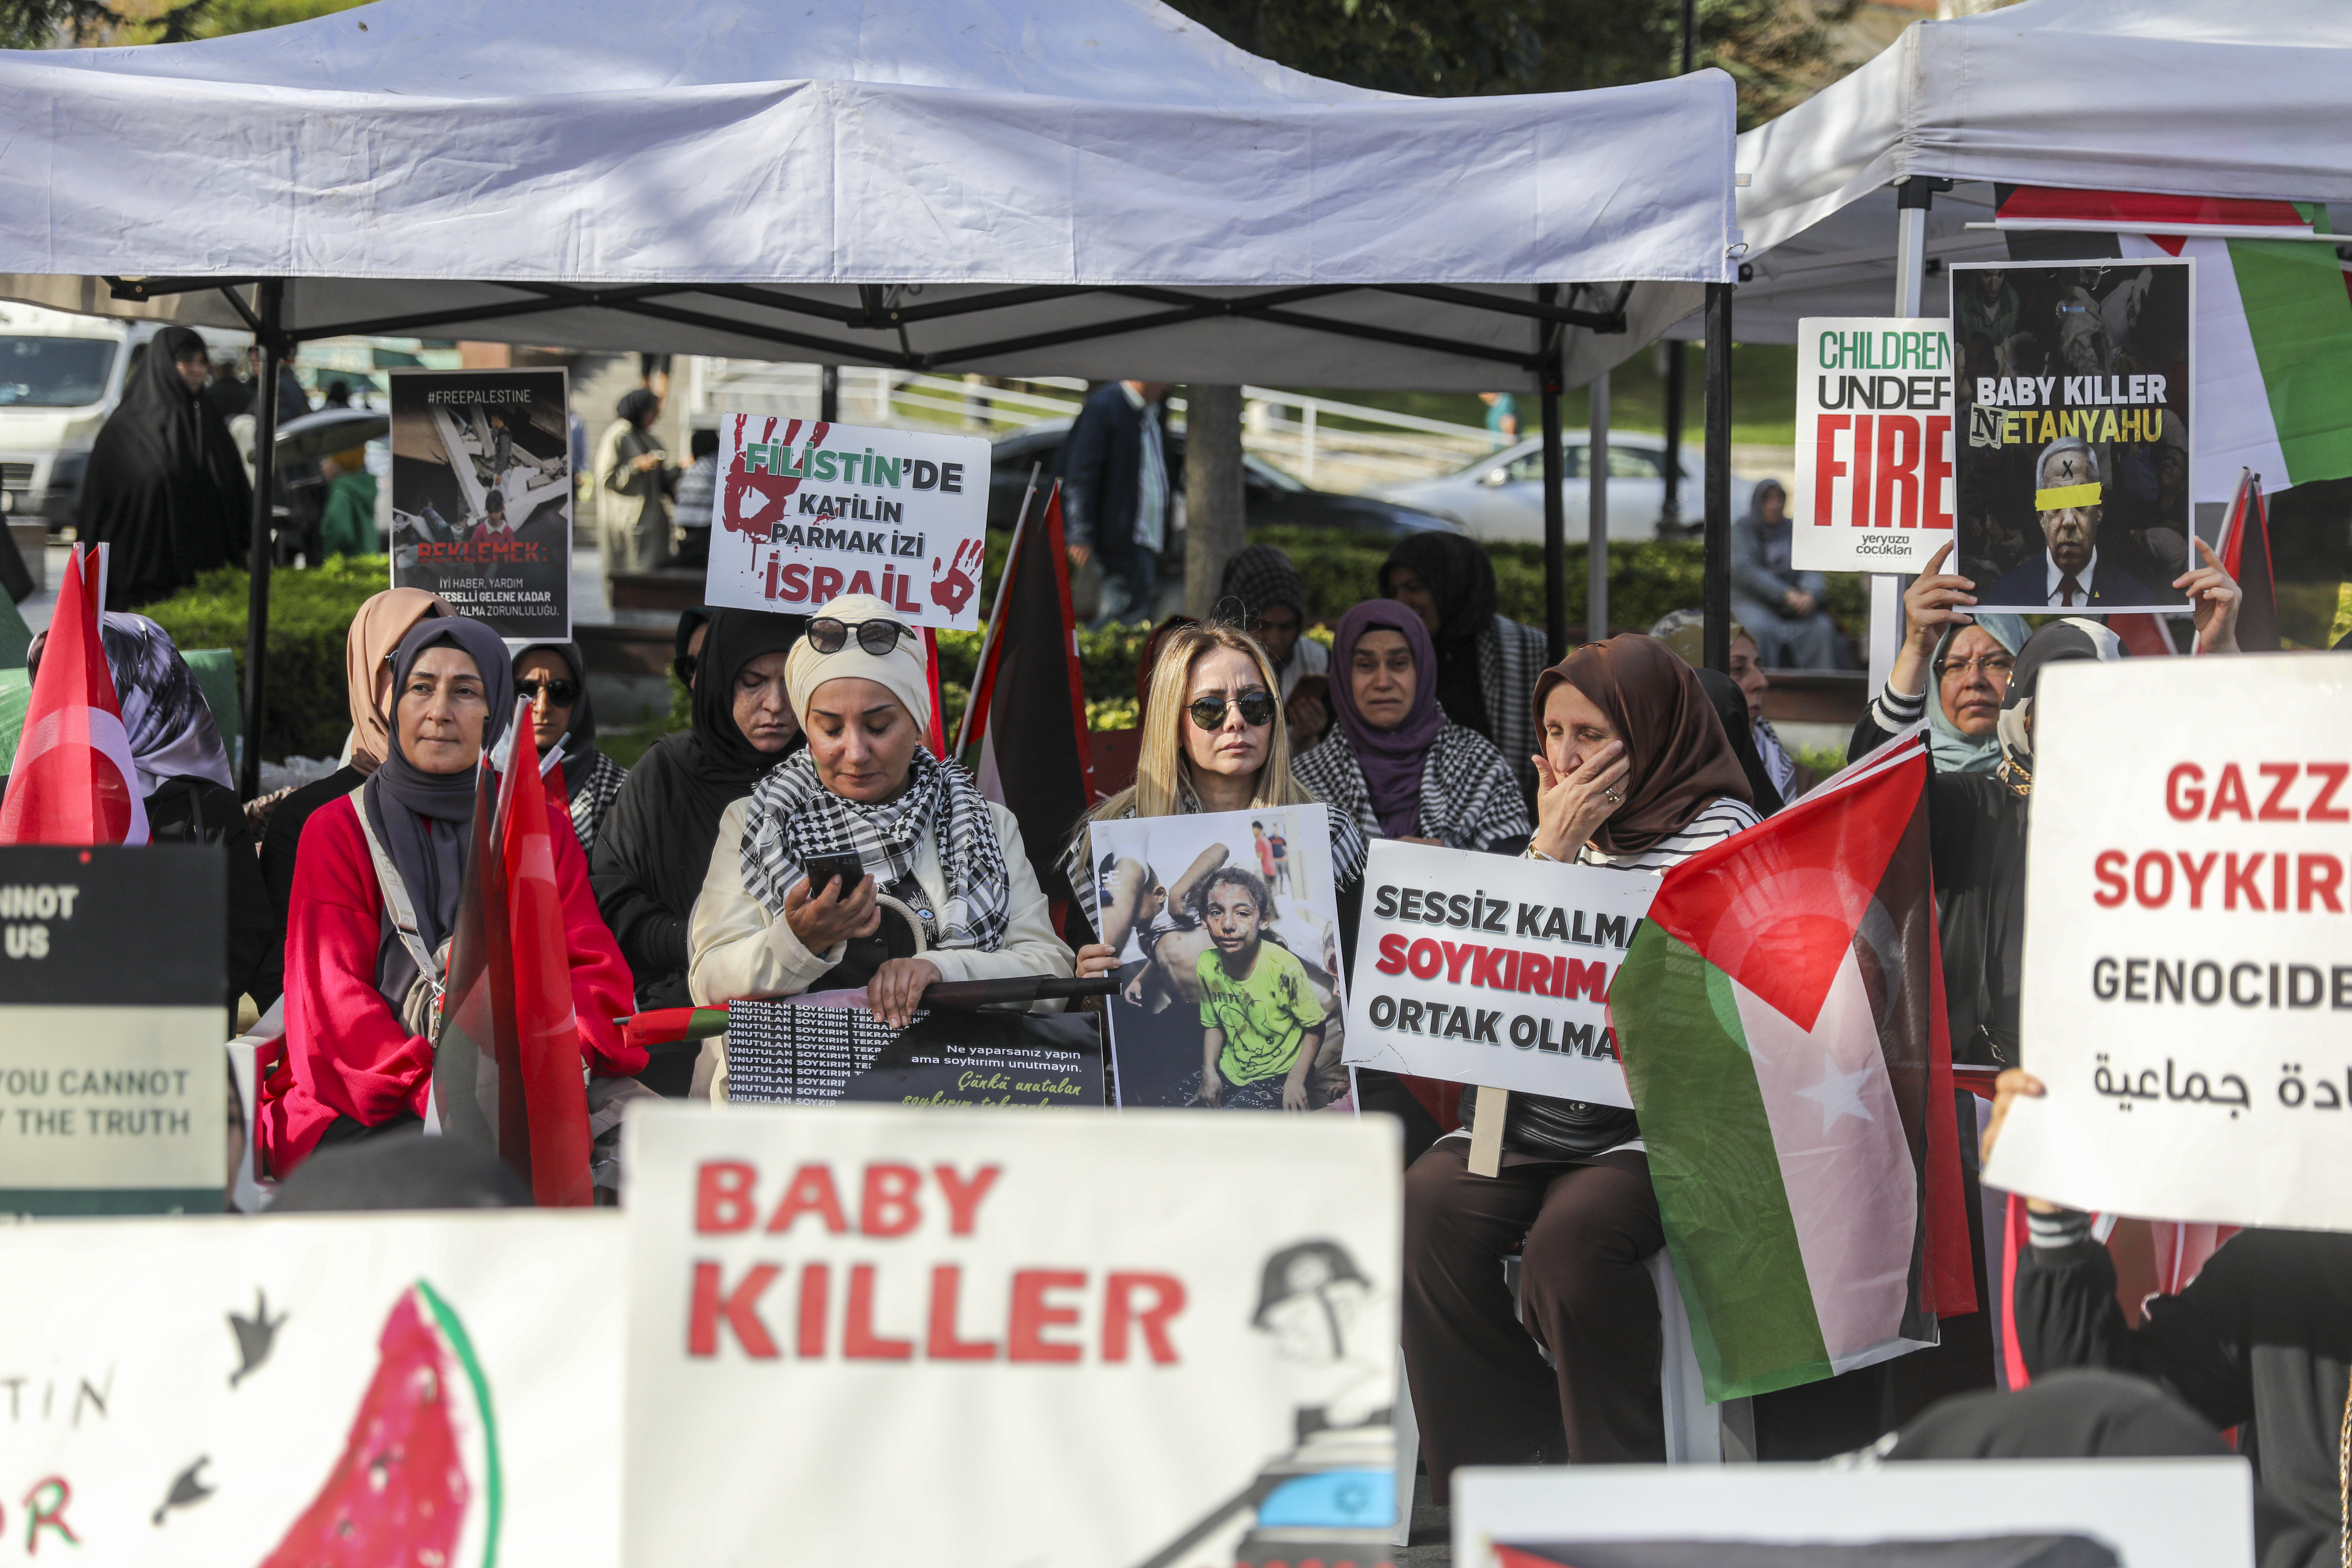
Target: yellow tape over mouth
point(2065, 497)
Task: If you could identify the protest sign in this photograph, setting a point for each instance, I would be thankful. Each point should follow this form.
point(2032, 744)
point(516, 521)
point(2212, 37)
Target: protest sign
point(416, 1389)
point(113, 1071)
point(808, 510)
point(1873, 489)
point(2076, 386)
point(1087, 1339)
point(1983, 1513)
point(1483, 969)
point(481, 495)
point(1227, 929)
point(2186, 984)
point(810, 1051)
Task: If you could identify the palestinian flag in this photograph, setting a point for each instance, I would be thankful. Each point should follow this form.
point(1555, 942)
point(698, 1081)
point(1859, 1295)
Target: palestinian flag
point(2245, 554)
point(1780, 1019)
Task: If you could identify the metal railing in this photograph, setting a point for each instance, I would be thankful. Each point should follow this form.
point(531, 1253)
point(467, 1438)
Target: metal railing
point(1331, 445)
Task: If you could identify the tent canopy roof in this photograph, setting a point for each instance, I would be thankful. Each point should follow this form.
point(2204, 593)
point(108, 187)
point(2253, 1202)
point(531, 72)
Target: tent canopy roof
point(845, 179)
point(2182, 97)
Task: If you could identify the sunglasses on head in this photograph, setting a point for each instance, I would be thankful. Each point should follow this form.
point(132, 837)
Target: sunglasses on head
point(1208, 712)
point(561, 693)
point(827, 635)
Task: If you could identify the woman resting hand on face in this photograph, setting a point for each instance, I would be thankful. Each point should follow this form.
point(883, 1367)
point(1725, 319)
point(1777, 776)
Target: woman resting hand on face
point(944, 890)
point(363, 1004)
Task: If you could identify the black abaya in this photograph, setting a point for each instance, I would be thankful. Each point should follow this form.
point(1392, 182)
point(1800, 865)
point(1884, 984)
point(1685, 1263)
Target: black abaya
point(165, 489)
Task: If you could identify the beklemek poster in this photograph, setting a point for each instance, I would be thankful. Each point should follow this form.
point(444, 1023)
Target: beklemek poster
point(807, 511)
point(1874, 490)
point(429, 1389)
point(1980, 1513)
point(1490, 970)
point(902, 1337)
point(481, 495)
point(2076, 390)
point(2186, 986)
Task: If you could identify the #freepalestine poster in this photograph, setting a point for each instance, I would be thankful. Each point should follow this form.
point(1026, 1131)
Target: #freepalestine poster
point(481, 495)
point(1227, 929)
point(440, 1391)
point(808, 510)
point(2075, 396)
point(902, 1337)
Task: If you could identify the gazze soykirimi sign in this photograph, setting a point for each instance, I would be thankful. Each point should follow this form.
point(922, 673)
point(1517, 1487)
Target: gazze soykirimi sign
point(2186, 984)
point(1481, 969)
point(1874, 490)
point(926, 1335)
point(807, 511)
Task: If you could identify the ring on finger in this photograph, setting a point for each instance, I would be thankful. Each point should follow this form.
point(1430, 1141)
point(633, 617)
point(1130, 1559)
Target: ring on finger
point(1613, 796)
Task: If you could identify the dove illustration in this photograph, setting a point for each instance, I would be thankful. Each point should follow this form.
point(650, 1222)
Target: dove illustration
point(186, 1488)
point(255, 1336)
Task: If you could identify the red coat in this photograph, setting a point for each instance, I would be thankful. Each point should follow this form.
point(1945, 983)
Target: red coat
point(347, 1052)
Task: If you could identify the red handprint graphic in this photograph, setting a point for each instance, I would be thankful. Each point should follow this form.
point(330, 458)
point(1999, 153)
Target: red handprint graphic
point(752, 503)
point(952, 592)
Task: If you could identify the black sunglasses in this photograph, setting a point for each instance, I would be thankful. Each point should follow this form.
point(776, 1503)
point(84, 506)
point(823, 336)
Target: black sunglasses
point(561, 693)
point(1208, 712)
point(827, 635)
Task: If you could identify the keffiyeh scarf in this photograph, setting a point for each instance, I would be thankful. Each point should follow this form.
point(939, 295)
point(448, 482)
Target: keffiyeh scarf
point(794, 817)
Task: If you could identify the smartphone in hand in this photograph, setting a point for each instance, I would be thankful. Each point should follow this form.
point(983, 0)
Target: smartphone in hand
point(824, 870)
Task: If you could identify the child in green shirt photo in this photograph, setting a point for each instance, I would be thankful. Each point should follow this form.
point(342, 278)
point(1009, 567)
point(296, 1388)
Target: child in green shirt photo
point(1262, 1023)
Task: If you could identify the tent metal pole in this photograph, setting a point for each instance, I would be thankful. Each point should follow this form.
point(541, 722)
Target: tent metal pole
point(262, 546)
point(1913, 198)
point(1554, 502)
point(1596, 512)
point(1715, 584)
point(828, 394)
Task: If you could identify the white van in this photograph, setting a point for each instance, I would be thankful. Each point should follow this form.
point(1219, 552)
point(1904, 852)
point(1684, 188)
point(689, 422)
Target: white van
point(60, 375)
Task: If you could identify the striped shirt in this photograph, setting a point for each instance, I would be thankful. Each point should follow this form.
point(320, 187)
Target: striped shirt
point(1722, 817)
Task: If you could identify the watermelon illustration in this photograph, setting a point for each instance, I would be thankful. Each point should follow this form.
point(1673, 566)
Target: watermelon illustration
point(417, 1484)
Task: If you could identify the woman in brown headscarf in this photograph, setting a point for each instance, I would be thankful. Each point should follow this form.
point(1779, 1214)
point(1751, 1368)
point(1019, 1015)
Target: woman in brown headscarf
point(1635, 774)
point(382, 620)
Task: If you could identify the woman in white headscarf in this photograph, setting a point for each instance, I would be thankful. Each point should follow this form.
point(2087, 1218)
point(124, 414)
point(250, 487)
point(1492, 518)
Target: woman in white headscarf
point(945, 890)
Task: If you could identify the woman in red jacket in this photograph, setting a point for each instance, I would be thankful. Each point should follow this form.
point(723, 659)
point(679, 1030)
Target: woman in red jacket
point(359, 1014)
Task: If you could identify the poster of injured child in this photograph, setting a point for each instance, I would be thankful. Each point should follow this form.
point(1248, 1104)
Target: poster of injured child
point(1227, 929)
point(481, 495)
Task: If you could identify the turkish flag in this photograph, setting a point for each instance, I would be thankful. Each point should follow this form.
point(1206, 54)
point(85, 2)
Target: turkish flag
point(547, 1029)
point(73, 781)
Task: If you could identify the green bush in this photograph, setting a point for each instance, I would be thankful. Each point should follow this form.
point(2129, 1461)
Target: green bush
point(305, 703)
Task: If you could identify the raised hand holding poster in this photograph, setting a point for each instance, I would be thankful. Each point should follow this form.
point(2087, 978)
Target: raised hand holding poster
point(808, 510)
point(2074, 401)
point(2186, 985)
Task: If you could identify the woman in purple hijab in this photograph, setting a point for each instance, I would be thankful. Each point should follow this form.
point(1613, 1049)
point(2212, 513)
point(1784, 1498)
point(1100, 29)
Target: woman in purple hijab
point(1393, 762)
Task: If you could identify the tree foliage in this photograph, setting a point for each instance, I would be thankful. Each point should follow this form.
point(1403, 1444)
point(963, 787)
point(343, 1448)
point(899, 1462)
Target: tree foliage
point(1777, 51)
point(54, 24)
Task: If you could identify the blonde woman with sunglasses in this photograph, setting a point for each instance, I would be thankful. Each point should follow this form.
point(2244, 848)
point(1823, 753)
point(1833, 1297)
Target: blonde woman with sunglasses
point(1211, 743)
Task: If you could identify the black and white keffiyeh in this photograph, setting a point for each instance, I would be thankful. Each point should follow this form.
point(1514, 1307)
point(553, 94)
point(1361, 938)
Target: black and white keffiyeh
point(794, 817)
point(1511, 657)
point(1468, 798)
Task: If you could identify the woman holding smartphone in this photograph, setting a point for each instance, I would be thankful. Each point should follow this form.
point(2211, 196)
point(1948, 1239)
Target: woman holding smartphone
point(862, 861)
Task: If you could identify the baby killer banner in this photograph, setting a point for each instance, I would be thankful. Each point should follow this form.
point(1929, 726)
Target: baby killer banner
point(1480, 969)
point(905, 1337)
point(2186, 986)
point(808, 510)
point(435, 1389)
point(1874, 401)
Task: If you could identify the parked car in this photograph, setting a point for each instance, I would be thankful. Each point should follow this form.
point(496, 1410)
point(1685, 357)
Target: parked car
point(1500, 497)
point(1270, 497)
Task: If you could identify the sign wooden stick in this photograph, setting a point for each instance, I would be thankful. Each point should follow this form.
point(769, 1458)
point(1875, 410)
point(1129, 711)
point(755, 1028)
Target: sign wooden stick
point(1486, 1135)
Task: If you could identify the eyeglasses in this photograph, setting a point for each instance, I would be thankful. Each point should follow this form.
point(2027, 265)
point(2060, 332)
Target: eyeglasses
point(827, 635)
point(1208, 712)
point(560, 693)
point(1995, 666)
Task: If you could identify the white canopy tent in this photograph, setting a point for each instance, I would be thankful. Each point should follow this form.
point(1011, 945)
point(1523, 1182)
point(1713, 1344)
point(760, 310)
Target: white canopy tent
point(1021, 187)
point(1852, 203)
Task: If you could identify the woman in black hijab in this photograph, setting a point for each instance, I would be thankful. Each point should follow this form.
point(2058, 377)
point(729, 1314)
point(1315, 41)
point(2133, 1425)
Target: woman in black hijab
point(1486, 663)
point(1730, 705)
point(553, 677)
point(166, 487)
point(654, 845)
